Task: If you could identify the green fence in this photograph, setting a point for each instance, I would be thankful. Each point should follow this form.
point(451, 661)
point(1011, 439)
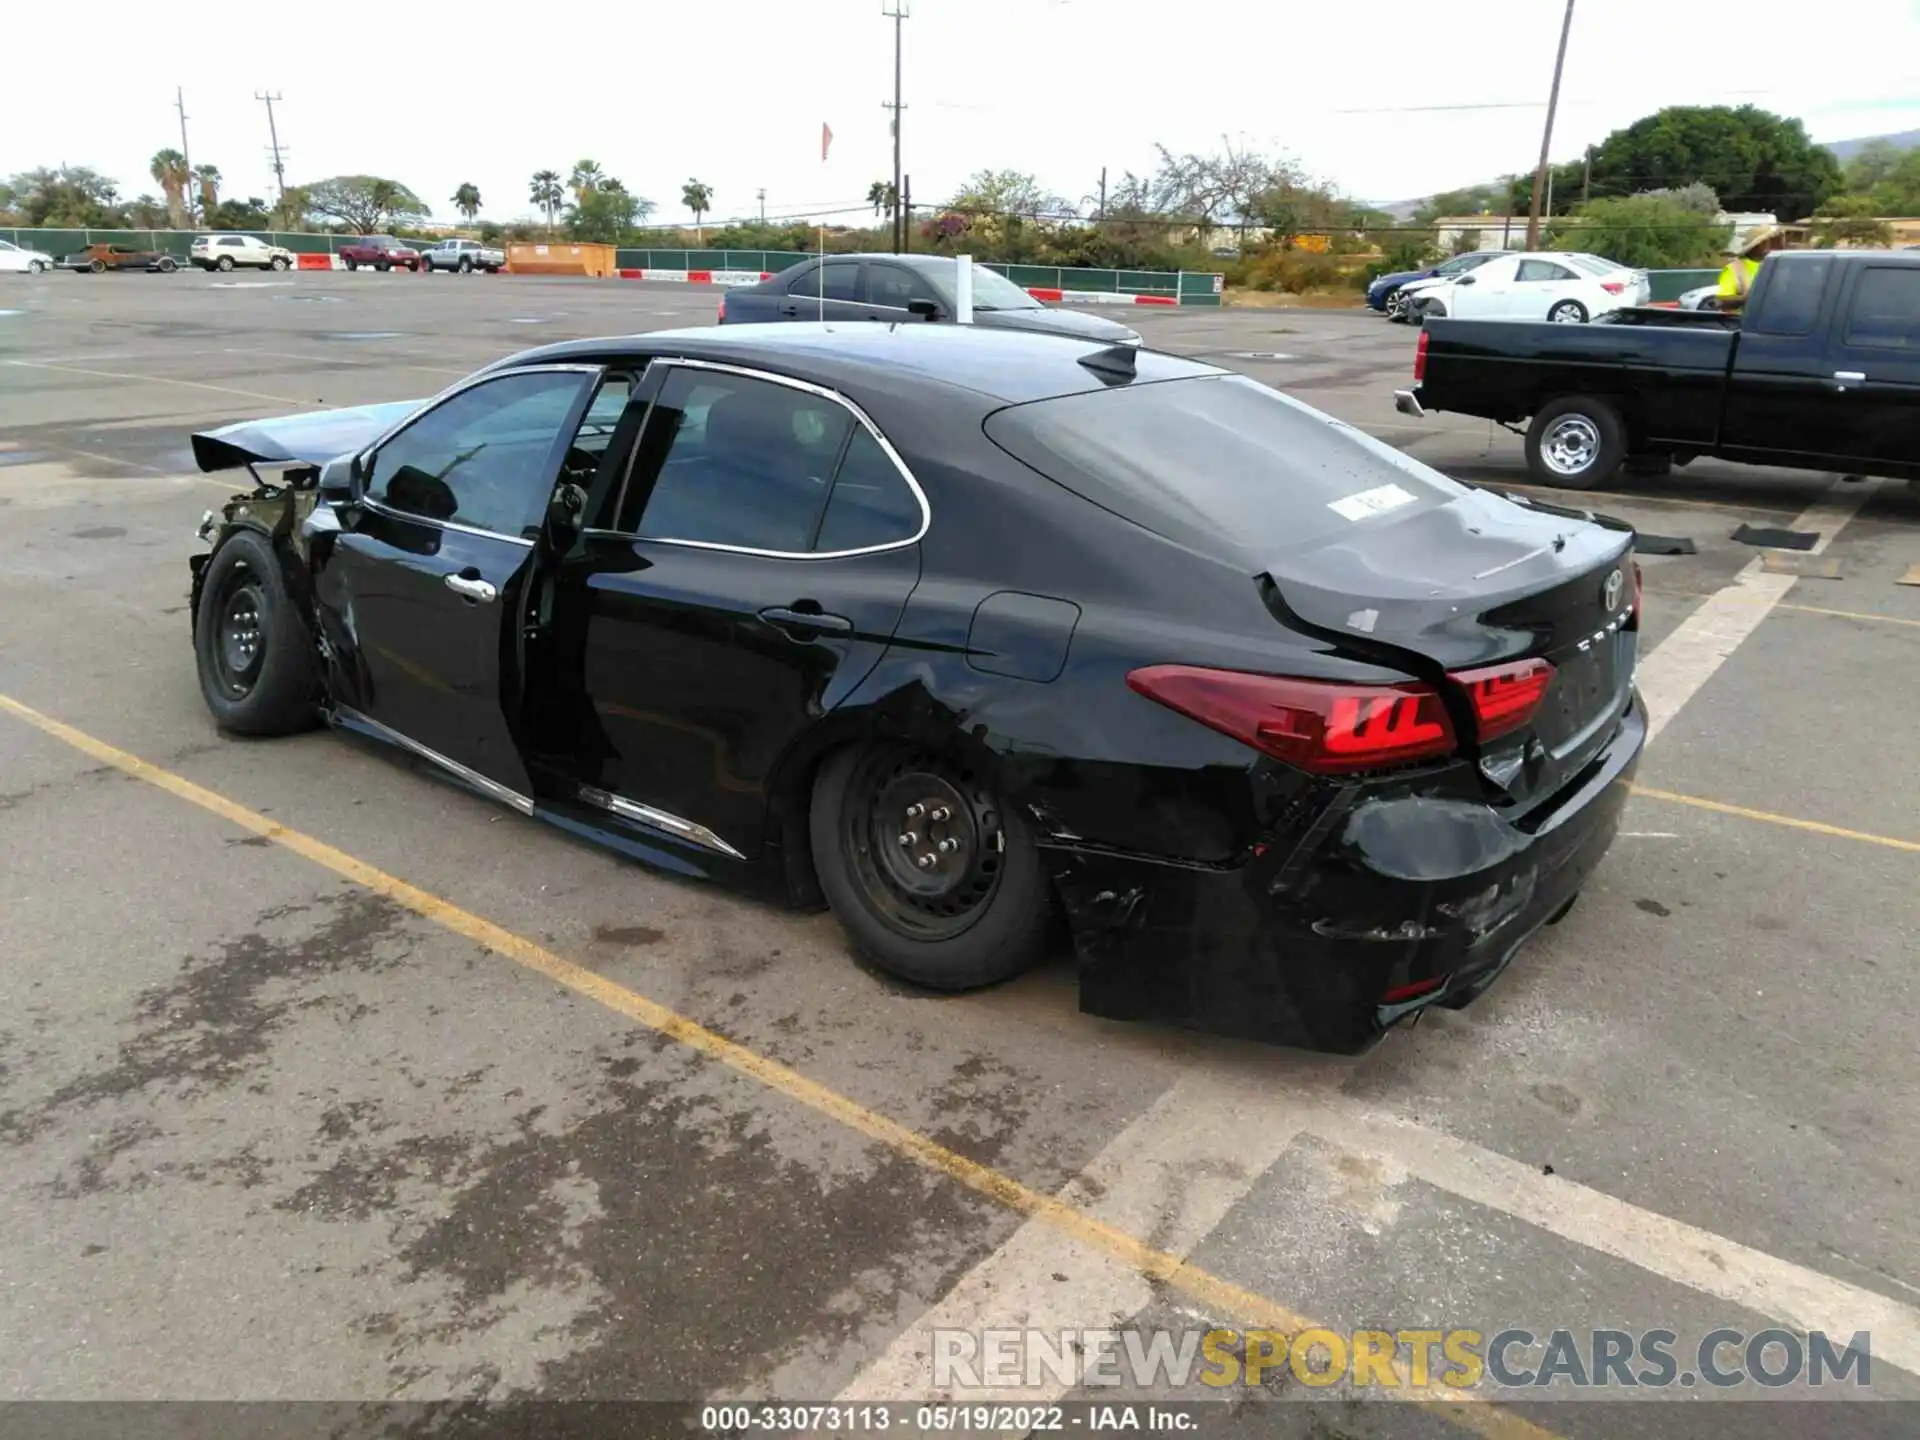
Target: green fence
point(172, 242)
point(1672, 284)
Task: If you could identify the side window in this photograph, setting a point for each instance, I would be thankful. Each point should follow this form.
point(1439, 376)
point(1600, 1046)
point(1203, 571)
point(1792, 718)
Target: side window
point(1544, 270)
point(871, 503)
point(1886, 309)
point(732, 460)
point(484, 458)
point(807, 282)
point(896, 285)
point(1792, 303)
point(842, 281)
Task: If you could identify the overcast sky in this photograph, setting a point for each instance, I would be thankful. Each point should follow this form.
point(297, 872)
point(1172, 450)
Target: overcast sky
point(735, 91)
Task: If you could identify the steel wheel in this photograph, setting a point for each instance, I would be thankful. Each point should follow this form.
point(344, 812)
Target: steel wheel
point(1570, 445)
point(240, 639)
point(925, 843)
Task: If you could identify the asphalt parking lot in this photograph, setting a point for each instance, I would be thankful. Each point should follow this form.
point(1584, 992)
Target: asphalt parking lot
point(321, 1079)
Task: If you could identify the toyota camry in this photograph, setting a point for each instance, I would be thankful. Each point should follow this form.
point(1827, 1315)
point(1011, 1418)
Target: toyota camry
point(979, 639)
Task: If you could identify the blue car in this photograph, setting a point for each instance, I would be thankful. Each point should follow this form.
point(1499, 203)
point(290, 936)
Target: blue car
point(1383, 294)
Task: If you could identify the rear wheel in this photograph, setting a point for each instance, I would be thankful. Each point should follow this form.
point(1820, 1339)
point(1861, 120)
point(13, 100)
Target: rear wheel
point(1576, 443)
point(935, 879)
point(166, 265)
point(256, 655)
point(224, 264)
point(1568, 312)
point(466, 265)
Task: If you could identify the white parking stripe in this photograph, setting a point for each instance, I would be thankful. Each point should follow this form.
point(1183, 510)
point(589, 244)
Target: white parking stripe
point(1172, 1175)
point(1700, 645)
point(1699, 1259)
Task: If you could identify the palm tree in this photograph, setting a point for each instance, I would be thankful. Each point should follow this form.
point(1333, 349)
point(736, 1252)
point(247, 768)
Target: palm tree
point(698, 198)
point(881, 197)
point(467, 200)
point(169, 169)
point(208, 177)
point(547, 194)
point(586, 176)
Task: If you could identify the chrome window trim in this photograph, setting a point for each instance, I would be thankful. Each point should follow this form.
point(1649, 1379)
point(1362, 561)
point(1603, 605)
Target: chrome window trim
point(860, 416)
point(687, 830)
point(492, 789)
point(433, 403)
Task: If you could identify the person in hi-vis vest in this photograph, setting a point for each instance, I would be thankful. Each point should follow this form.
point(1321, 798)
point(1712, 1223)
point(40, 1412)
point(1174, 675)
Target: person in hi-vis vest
point(1736, 280)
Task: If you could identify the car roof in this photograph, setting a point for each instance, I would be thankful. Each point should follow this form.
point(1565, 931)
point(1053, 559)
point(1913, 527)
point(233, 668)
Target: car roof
point(912, 261)
point(1009, 366)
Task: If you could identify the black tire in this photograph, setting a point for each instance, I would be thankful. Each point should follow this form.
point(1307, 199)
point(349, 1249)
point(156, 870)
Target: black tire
point(466, 265)
point(1568, 312)
point(278, 262)
point(224, 264)
point(353, 264)
point(1576, 442)
point(258, 670)
point(166, 265)
point(984, 920)
point(382, 266)
point(98, 267)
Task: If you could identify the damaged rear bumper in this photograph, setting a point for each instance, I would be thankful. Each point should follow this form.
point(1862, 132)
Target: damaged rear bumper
point(1409, 902)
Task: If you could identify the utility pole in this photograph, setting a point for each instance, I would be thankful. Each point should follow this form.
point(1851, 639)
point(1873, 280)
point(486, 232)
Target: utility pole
point(763, 204)
point(896, 11)
point(1103, 192)
point(906, 214)
point(1546, 135)
point(1586, 179)
point(186, 155)
point(273, 133)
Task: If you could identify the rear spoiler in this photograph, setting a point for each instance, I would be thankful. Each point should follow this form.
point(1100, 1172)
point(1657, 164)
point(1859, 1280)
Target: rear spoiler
point(310, 439)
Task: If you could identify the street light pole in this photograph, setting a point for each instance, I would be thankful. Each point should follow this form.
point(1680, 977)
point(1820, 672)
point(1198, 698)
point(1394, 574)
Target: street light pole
point(1546, 136)
point(897, 12)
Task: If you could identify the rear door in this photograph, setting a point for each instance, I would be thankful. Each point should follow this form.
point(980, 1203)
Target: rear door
point(745, 581)
point(1781, 402)
point(420, 597)
point(1539, 285)
point(1873, 366)
point(824, 290)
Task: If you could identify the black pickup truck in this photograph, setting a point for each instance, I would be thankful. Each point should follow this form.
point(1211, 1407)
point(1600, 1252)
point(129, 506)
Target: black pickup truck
point(1820, 372)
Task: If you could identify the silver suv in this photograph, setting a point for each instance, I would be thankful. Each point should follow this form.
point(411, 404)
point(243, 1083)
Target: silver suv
point(463, 255)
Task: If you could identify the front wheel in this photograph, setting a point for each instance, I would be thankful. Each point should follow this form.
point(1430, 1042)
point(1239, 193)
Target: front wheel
point(382, 266)
point(1576, 443)
point(353, 264)
point(278, 262)
point(258, 671)
point(935, 878)
point(98, 267)
point(1568, 312)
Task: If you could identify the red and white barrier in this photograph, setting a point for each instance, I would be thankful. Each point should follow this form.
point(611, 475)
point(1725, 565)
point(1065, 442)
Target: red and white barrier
point(700, 277)
point(1097, 297)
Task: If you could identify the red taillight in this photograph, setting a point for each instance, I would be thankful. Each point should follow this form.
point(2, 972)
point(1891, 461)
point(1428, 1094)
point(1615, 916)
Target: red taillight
point(1613, 287)
point(1320, 726)
point(721, 318)
point(1420, 358)
point(1505, 696)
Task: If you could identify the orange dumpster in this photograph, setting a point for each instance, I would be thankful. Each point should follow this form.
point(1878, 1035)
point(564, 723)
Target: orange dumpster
point(548, 257)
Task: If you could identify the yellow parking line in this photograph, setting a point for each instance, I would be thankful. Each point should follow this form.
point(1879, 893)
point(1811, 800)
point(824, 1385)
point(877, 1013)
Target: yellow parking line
point(1818, 827)
point(1467, 1411)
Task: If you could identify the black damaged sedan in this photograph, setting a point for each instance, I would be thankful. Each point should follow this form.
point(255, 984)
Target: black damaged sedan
point(977, 638)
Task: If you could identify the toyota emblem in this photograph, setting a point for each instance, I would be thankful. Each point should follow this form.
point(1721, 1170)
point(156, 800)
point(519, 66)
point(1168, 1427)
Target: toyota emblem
point(1611, 591)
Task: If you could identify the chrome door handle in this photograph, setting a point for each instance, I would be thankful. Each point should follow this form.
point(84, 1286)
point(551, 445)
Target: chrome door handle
point(473, 589)
point(1844, 378)
point(806, 624)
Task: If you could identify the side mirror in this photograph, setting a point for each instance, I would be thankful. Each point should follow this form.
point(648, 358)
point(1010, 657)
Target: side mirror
point(925, 309)
point(1464, 280)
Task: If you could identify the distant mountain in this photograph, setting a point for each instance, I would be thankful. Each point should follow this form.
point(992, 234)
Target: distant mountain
point(1845, 150)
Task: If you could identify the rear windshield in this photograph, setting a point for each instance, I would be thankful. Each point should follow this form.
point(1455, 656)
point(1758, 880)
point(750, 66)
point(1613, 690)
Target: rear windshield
point(1218, 458)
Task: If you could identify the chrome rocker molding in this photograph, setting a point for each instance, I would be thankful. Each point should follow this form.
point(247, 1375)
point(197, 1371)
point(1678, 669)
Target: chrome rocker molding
point(492, 789)
point(659, 819)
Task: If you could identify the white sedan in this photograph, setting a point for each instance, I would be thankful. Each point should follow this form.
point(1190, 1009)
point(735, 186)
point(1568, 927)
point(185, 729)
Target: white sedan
point(32, 262)
point(1565, 288)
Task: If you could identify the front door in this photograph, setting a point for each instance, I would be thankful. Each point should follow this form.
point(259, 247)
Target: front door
point(1782, 405)
point(745, 582)
point(890, 289)
point(421, 597)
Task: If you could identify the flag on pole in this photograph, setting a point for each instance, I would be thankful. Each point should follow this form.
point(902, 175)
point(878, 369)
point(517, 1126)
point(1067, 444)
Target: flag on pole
point(826, 138)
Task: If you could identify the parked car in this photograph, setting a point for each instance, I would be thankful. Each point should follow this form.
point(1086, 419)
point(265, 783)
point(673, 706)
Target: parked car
point(98, 258)
point(463, 256)
point(228, 252)
point(1383, 293)
point(382, 252)
point(31, 262)
point(1821, 371)
point(1529, 285)
point(1700, 298)
point(1627, 285)
point(960, 630)
point(906, 288)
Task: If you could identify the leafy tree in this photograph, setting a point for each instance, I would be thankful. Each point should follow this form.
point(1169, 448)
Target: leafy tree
point(248, 214)
point(1898, 191)
point(698, 198)
point(606, 213)
point(290, 211)
point(467, 199)
point(1648, 232)
point(1851, 220)
point(881, 196)
point(207, 181)
point(1697, 198)
point(1871, 163)
point(365, 203)
point(586, 177)
point(169, 168)
point(547, 193)
point(72, 196)
point(1753, 159)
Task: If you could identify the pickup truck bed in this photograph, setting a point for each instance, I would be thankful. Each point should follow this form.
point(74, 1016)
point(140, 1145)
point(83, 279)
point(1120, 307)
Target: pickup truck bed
point(1821, 372)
